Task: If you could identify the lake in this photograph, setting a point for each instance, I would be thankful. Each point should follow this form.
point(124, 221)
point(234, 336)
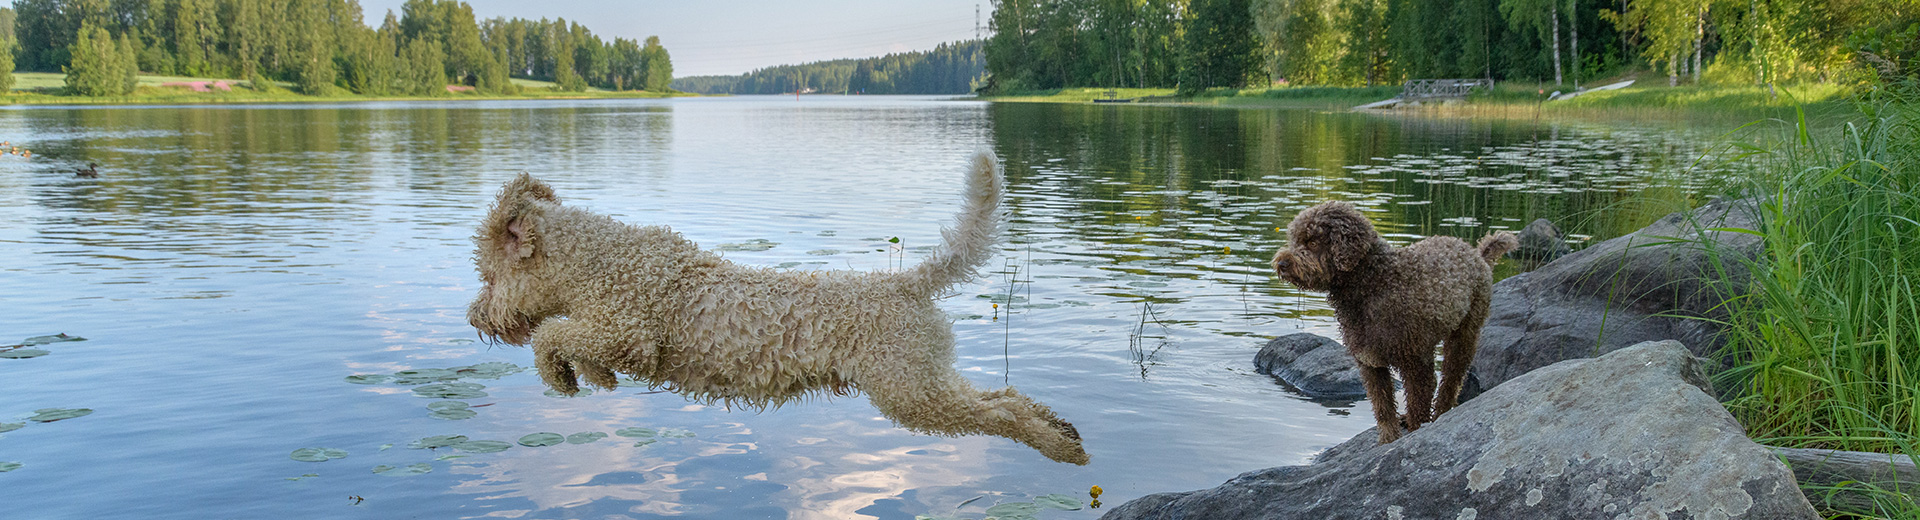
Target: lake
point(255, 280)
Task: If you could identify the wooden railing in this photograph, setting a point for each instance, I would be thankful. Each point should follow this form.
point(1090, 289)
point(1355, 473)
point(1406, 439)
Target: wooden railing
point(1438, 88)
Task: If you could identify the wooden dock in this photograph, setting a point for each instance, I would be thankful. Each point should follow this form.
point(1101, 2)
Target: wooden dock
point(1425, 89)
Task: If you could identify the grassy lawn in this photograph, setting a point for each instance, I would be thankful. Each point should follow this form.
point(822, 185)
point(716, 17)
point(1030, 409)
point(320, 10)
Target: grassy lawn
point(43, 88)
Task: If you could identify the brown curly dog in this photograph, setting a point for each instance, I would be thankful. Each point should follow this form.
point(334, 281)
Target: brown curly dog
point(1394, 304)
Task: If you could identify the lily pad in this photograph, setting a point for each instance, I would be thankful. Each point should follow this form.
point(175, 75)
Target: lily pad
point(582, 393)
point(1014, 510)
point(303, 476)
point(56, 338)
point(488, 370)
point(368, 379)
point(385, 447)
point(8, 466)
point(318, 454)
point(47, 415)
point(421, 376)
point(644, 442)
point(451, 410)
point(1059, 501)
point(536, 440)
point(482, 446)
point(453, 415)
point(437, 441)
point(451, 391)
point(585, 437)
point(403, 471)
point(630, 432)
point(758, 244)
point(11, 426)
point(675, 433)
point(23, 353)
point(449, 457)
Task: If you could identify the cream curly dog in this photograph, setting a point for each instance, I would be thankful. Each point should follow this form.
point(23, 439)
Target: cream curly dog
point(1395, 304)
point(595, 296)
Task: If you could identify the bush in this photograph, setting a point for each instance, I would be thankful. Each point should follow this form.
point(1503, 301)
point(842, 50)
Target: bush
point(100, 65)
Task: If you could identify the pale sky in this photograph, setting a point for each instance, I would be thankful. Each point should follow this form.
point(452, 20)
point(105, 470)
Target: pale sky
point(734, 37)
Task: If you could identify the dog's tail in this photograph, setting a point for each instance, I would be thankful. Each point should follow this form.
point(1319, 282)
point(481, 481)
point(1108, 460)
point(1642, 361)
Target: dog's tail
point(1496, 245)
point(970, 241)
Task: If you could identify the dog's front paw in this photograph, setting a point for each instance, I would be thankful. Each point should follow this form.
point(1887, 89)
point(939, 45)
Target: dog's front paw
point(556, 370)
point(596, 374)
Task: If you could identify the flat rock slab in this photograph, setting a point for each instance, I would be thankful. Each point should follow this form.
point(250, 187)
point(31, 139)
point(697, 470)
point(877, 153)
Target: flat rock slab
point(1632, 434)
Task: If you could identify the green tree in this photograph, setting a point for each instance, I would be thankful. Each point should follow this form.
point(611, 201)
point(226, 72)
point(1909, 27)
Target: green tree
point(423, 69)
point(313, 50)
point(98, 66)
point(195, 28)
point(659, 66)
point(1220, 47)
point(6, 63)
point(560, 55)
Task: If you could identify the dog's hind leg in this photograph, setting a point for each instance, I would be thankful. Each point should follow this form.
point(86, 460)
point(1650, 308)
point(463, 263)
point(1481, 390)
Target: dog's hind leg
point(1461, 346)
point(937, 400)
point(1459, 350)
point(566, 348)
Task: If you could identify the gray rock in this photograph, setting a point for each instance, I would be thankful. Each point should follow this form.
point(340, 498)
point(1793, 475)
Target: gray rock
point(1645, 286)
point(1317, 366)
point(1632, 434)
point(1541, 241)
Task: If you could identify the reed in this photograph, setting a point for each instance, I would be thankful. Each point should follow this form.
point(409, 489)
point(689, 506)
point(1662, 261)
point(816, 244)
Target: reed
point(1824, 342)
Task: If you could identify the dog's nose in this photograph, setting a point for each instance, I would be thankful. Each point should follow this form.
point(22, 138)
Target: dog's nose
point(1280, 264)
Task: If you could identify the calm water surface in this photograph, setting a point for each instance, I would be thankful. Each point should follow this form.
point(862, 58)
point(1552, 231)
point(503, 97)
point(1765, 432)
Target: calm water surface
point(234, 266)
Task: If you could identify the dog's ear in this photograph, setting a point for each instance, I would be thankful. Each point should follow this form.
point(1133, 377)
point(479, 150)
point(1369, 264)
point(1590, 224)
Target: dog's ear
point(524, 187)
point(1352, 235)
point(518, 238)
point(512, 224)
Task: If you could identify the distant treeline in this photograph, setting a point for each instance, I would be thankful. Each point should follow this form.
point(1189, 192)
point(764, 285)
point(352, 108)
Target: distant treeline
point(948, 69)
point(322, 45)
point(1197, 44)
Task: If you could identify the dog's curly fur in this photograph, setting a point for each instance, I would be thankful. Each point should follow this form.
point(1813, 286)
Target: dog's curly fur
point(1394, 304)
point(595, 296)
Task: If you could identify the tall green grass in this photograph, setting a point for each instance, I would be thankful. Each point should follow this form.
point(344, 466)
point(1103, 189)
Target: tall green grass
point(1825, 342)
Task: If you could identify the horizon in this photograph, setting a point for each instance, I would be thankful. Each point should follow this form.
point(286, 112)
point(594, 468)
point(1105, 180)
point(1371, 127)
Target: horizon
point(730, 39)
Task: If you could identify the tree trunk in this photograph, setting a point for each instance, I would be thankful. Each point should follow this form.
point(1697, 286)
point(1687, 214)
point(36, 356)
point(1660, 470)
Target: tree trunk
point(1699, 37)
point(1573, 23)
point(1554, 15)
point(1673, 70)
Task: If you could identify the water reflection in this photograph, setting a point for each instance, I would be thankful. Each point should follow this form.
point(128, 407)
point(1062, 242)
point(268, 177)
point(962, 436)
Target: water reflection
point(233, 264)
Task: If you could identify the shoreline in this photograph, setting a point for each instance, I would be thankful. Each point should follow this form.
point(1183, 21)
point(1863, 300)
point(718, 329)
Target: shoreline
point(195, 98)
point(1506, 102)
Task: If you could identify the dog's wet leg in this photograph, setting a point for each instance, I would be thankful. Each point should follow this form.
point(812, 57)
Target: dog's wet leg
point(555, 370)
point(941, 402)
point(1417, 375)
point(1461, 346)
point(1459, 350)
point(1379, 384)
point(584, 349)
